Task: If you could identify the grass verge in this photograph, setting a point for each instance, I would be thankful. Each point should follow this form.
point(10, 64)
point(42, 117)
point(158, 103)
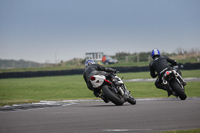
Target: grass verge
point(183, 131)
point(29, 90)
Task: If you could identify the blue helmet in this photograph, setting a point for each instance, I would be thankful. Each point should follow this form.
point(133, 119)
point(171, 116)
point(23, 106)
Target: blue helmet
point(155, 52)
point(89, 62)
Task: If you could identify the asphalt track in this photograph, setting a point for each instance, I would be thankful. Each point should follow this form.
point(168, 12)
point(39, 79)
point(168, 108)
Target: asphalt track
point(89, 116)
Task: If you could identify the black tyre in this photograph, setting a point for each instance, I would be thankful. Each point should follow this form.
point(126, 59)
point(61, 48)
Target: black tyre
point(177, 88)
point(132, 100)
point(112, 96)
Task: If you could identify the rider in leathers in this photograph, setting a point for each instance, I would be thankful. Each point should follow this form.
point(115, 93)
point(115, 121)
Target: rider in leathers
point(158, 66)
point(95, 69)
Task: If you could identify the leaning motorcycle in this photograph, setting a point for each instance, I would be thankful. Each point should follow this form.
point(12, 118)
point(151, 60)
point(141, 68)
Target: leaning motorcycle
point(174, 84)
point(117, 94)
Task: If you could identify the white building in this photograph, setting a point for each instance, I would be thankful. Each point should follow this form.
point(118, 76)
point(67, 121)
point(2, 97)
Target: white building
point(96, 56)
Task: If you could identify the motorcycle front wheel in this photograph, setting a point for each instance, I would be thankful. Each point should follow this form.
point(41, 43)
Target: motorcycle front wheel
point(131, 100)
point(177, 88)
point(112, 96)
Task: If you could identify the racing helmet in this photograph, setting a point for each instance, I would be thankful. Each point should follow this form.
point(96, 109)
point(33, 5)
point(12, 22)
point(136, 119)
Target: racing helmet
point(155, 52)
point(89, 62)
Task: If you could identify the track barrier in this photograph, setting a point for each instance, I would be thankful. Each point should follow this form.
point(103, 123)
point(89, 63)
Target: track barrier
point(27, 74)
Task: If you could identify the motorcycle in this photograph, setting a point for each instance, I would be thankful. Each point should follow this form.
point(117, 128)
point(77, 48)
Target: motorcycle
point(174, 84)
point(116, 93)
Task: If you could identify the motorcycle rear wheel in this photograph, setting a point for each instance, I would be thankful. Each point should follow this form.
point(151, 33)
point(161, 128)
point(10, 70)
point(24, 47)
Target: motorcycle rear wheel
point(177, 88)
point(112, 96)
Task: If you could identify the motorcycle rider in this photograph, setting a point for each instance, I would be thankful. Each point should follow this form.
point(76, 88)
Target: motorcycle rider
point(158, 66)
point(95, 69)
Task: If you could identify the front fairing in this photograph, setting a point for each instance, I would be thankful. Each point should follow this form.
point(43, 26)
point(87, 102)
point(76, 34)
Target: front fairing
point(119, 80)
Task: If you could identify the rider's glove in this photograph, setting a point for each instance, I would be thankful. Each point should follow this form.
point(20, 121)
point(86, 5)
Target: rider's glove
point(114, 70)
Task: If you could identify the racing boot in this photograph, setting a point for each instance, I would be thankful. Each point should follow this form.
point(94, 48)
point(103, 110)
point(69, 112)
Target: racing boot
point(160, 86)
point(165, 87)
point(169, 92)
point(104, 98)
point(168, 89)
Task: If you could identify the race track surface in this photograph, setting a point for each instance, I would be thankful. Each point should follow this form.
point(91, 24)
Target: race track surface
point(147, 116)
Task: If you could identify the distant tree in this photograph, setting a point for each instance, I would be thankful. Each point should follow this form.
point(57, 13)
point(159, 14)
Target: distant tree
point(181, 51)
point(144, 56)
point(122, 54)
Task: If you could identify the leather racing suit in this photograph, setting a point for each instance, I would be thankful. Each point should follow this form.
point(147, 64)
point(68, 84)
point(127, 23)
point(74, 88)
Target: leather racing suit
point(158, 66)
point(96, 69)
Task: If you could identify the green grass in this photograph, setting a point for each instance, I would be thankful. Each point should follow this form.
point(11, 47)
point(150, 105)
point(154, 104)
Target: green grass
point(184, 131)
point(145, 75)
point(25, 90)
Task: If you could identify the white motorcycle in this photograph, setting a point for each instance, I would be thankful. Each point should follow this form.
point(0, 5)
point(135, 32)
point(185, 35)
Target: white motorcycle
point(116, 93)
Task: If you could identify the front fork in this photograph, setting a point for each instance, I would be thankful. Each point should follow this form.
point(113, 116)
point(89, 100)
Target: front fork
point(180, 80)
point(126, 93)
point(119, 87)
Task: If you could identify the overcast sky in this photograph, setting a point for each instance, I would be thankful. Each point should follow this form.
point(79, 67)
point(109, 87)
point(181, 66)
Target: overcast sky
point(45, 30)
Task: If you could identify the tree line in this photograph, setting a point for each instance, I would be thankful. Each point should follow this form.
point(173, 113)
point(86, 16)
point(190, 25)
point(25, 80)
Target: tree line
point(146, 56)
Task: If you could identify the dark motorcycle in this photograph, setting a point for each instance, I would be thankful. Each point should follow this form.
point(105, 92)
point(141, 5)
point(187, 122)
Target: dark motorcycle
point(174, 84)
